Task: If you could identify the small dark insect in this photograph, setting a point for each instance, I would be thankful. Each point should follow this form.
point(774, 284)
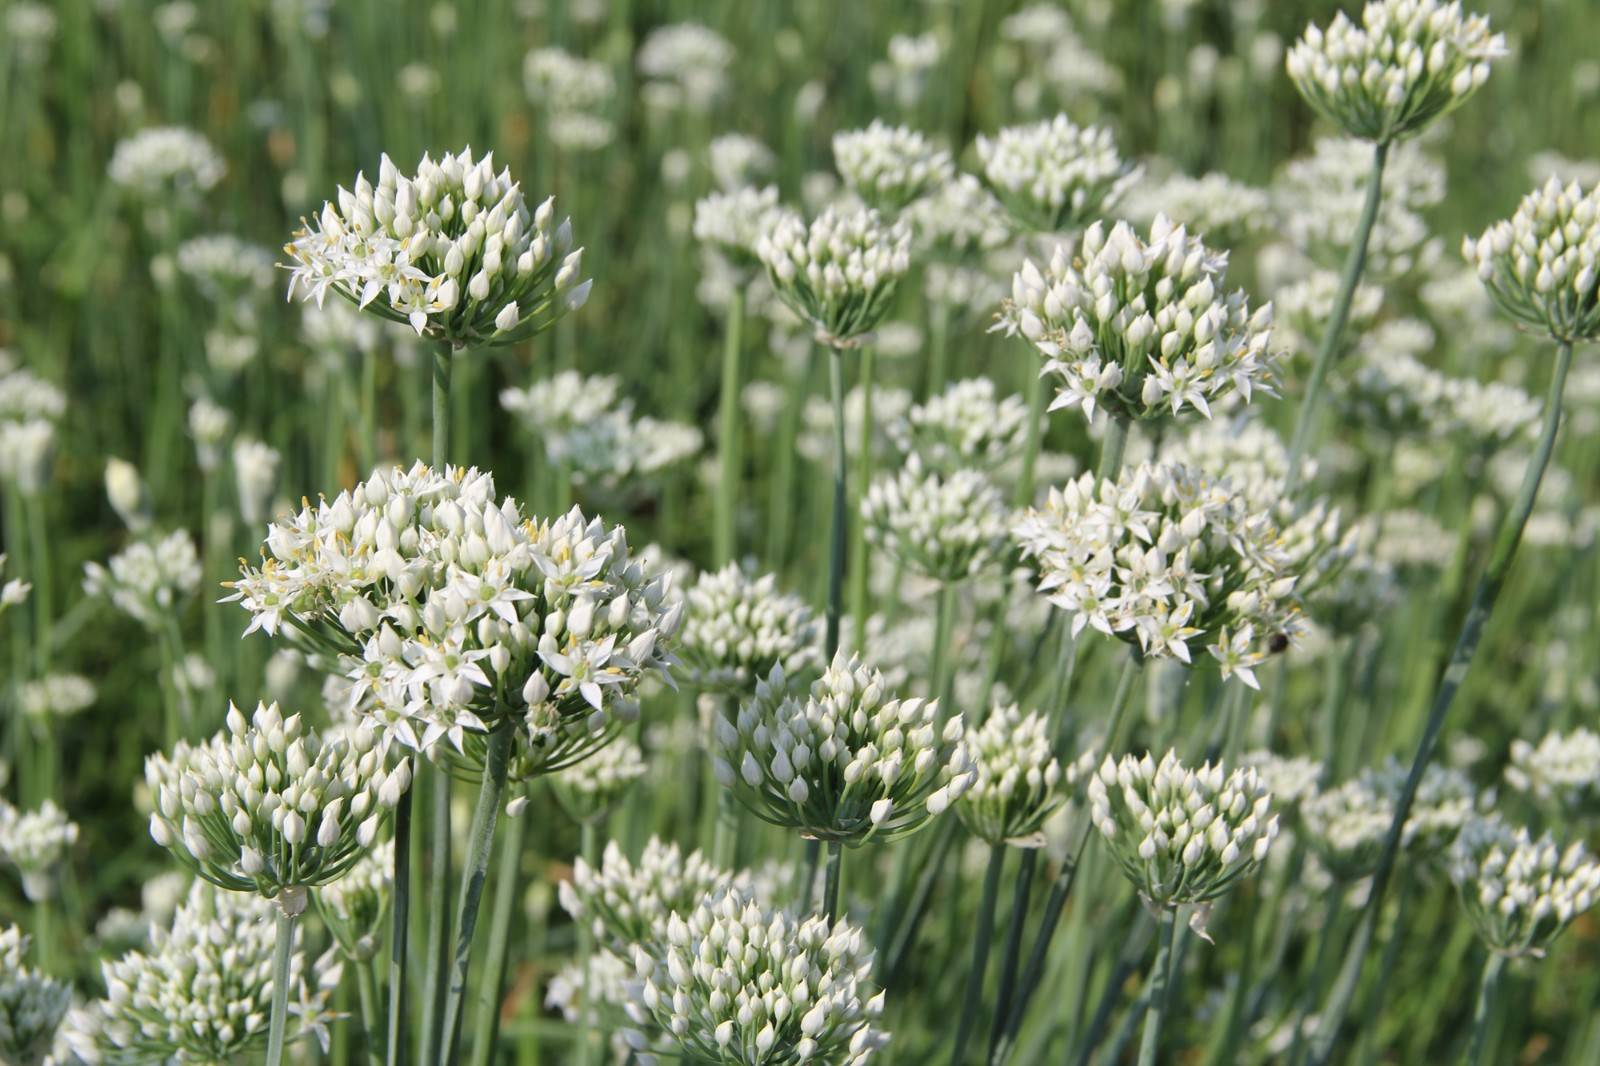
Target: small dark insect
point(1278, 643)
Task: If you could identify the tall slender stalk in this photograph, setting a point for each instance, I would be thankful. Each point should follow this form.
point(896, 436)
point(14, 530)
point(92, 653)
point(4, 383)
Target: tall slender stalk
point(282, 956)
point(371, 1024)
point(1022, 892)
point(830, 886)
point(1150, 1042)
point(1466, 646)
point(722, 551)
point(494, 971)
point(860, 558)
point(941, 660)
point(399, 929)
point(43, 595)
point(1035, 432)
point(1483, 1011)
point(589, 845)
point(836, 537)
point(983, 935)
point(1333, 336)
point(1112, 448)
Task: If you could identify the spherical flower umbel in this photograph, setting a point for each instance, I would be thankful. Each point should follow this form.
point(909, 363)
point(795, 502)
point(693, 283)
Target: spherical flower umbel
point(1542, 266)
point(1346, 825)
point(166, 161)
point(844, 762)
point(624, 901)
point(1142, 329)
point(1404, 65)
point(734, 983)
point(1520, 892)
point(148, 578)
point(56, 696)
point(1182, 836)
point(1562, 770)
point(1055, 175)
point(272, 807)
point(32, 1004)
point(1168, 558)
point(945, 526)
point(590, 789)
point(738, 627)
point(733, 222)
point(890, 166)
point(965, 426)
point(454, 250)
point(35, 842)
point(1018, 780)
point(839, 273)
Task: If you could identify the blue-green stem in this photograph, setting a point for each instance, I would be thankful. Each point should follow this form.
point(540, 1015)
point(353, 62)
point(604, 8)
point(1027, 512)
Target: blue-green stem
point(282, 955)
point(983, 935)
point(1035, 432)
point(1483, 1011)
point(400, 929)
point(836, 536)
point(371, 1024)
point(1155, 1011)
point(728, 438)
point(941, 660)
point(494, 972)
point(1112, 448)
point(830, 888)
point(860, 558)
point(589, 844)
point(1022, 892)
point(807, 871)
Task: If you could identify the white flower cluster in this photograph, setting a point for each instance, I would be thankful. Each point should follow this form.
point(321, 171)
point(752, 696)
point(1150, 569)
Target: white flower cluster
point(889, 167)
point(1171, 559)
point(816, 436)
point(32, 1004)
point(738, 628)
point(732, 222)
point(1018, 782)
point(148, 579)
point(225, 268)
point(589, 790)
point(255, 474)
point(967, 426)
point(29, 410)
point(734, 983)
point(1346, 825)
point(1404, 65)
point(25, 396)
point(685, 64)
point(1542, 266)
point(1055, 175)
point(452, 611)
point(1182, 836)
point(624, 902)
point(1214, 205)
point(902, 77)
point(36, 843)
point(585, 427)
point(56, 696)
point(1562, 769)
point(576, 95)
point(1289, 779)
point(354, 906)
point(453, 250)
point(839, 273)
point(166, 161)
point(1139, 328)
point(959, 217)
point(738, 160)
point(1301, 309)
point(209, 425)
point(1520, 892)
point(272, 807)
point(948, 527)
point(844, 762)
point(202, 990)
point(1399, 395)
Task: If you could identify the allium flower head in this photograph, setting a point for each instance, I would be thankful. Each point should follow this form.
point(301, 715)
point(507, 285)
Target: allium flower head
point(845, 761)
point(35, 843)
point(839, 273)
point(25, 396)
point(56, 696)
point(354, 907)
point(1182, 836)
point(1404, 65)
point(27, 452)
point(272, 807)
point(967, 426)
point(1055, 175)
point(733, 983)
point(224, 268)
point(959, 217)
point(685, 65)
point(593, 787)
point(733, 222)
point(1520, 892)
point(1018, 782)
point(148, 578)
point(738, 160)
point(889, 167)
point(31, 1003)
point(738, 628)
point(1542, 266)
point(166, 161)
point(945, 526)
point(576, 95)
point(1290, 779)
point(1563, 770)
point(1142, 329)
point(1168, 558)
point(454, 250)
point(625, 901)
point(1346, 825)
point(1222, 210)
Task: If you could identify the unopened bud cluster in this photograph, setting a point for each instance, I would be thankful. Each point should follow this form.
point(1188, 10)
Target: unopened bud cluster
point(737, 628)
point(1055, 175)
point(1346, 825)
point(148, 579)
point(945, 526)
point(889, 167)
point(354, 907)
point(1562, 770)
point(967, 426)
point(624, 901)
point(589, 790)
point(32, 1004)
point(1520, 892)
point(1018, 779)
point(36, 843)
point(1542, 266)
point(839, 273)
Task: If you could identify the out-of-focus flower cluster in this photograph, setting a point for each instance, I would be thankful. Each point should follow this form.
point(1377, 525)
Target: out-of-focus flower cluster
point(148, 579)
point(1055, 175)
point(967, 426)
point(737, 628)
point(890, 166)
point(35, 842)
point(32, 1004)
point(1018, 782)
point(167, 162)
point(1563, 769)
point(589, 790)
point(624, 901)
point(1346, 825)
point(576, 95)
point(945, 526)
point(354, 906)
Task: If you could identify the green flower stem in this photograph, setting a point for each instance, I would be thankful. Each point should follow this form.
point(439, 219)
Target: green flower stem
point(860, 558)
point(941, 660)
point(494, 971)
point(1466, 646)
point(282, 955)
point(722, 551)
point(43, 595)
point(1035, 432)
point(830, 888)
point(806, 888)
point(938, 346)
point(1112, 448)
point(1483, 1011)
point(589, 845)
point(480, 843)
point(371, 1022)
point(369, 410)
point(982, 937)
point(1333, 336)
point(905, 932)
point(400, 929)
point(1150, 1042)
point(781, 506)
point(836, 537)
point(1022, 892)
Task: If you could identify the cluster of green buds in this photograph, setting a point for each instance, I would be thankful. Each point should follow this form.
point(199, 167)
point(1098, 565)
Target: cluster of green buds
point(1055, 175)
point(1182, 836)
point(589, 790)
point(737, 628)
point(733, 983)
point(270, 806)
point(1520, 892)
point(1542, 266)
point(32, 1004)
point(355, 907)
point(839, 273)
point(1407, 63)
point(453, 250)
point(845, 762)
point(944, 526)
point(889, 167)
point(1018, 782)
point(624, 901)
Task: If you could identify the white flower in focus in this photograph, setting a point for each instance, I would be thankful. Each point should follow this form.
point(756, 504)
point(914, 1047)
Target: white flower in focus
point(36, 843)
point(839, 273)
point(1520, 893)
point(890, 167)
point(1019, 780)
point(738, 627)
point(945, 526)
point(1055, 175)
point(1542, 266)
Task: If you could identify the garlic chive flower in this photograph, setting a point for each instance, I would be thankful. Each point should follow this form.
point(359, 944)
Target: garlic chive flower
point(1018, 783)
point(56, 696)
point(1542, 266)
point(1562, 770)
point(1520, 892)
point(1055, 175)
point(839, 273)
point(1346, 825)
point(35, 843)
point(270, 806)
point(589, 790)
point(354, 907)
point(625, 901)
point(166, 162)
point(965, 426)
point(1182, 836)
point(945, 526)
point(1216, 206)
point(575, 94)
point(738, 160)
point(684, 64)
point(844, 762)
point(202, 991)
point(1290, 779)
point(14, 592)
point(225, 269)
point(1406, 63)
point(733, 222)
point(454, 250)
point(148, 579)
point(889, 167)
point(737, 628)
point(1170, 559)
point(733, 983)
point(1142, 329)
point(32, 1004)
